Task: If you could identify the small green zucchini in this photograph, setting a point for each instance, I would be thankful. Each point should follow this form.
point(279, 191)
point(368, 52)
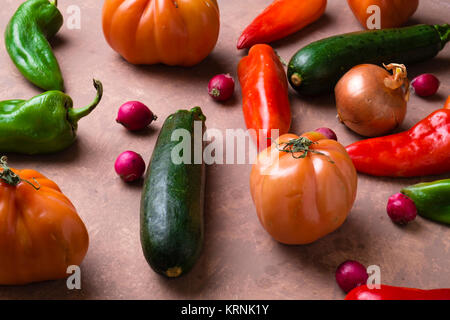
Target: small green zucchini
point(172, 200)
point(318, 67)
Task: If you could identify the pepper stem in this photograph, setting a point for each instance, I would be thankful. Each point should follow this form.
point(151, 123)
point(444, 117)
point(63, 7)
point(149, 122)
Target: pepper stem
point(76, 114)
point(54, 2)
point(10, 177)
point(444, 33)
point(301, 145)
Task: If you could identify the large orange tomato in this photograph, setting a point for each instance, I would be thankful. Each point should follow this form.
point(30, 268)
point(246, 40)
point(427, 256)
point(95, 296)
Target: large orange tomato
point(303, 187)
point(394, 13)
point(41, 233)
point(173, 32)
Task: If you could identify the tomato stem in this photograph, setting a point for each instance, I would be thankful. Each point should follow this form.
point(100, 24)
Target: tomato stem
point(10, 177)
point(301, 145)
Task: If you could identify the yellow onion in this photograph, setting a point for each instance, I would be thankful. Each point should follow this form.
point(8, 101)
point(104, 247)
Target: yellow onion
point(370, 100)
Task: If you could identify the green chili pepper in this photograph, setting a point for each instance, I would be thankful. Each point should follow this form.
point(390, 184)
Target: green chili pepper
point(26, 36)
point(44, 124)
point(432, 199)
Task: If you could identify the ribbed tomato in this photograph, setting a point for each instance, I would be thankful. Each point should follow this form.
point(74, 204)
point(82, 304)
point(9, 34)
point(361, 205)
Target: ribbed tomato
point(173, 32)
point(41, 233)
point(393, 13)
point(303, 187)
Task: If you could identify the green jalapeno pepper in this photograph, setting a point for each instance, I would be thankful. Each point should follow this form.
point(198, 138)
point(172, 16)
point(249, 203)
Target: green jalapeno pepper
point(44, 124)
point(26, 36)
point(432, 199)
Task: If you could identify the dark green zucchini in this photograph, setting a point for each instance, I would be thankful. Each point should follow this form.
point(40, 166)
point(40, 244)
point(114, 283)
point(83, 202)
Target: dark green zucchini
point(172, 200)
point(318, 67)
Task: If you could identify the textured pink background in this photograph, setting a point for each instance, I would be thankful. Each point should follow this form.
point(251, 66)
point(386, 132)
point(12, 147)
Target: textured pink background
point(239, 260)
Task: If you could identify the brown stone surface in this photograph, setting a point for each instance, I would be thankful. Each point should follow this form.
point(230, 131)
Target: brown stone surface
point(239, 260)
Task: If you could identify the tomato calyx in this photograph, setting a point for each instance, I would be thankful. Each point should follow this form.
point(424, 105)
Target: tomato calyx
point(301, 145)
point(10, 177)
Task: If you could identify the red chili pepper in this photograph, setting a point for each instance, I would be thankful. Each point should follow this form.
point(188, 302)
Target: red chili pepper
point(264, 92)
point(422, 150)
point(280, 19)
point(397, 293)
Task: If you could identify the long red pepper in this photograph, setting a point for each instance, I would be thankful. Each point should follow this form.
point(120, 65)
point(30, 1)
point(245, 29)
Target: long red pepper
point(397, 293)
point(422, 150)
point(265, 100)
point(280, 19)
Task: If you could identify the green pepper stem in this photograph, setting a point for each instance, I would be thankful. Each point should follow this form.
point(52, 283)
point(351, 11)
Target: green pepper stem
point(444, 33)
point(54, 2)
point(76, 114)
